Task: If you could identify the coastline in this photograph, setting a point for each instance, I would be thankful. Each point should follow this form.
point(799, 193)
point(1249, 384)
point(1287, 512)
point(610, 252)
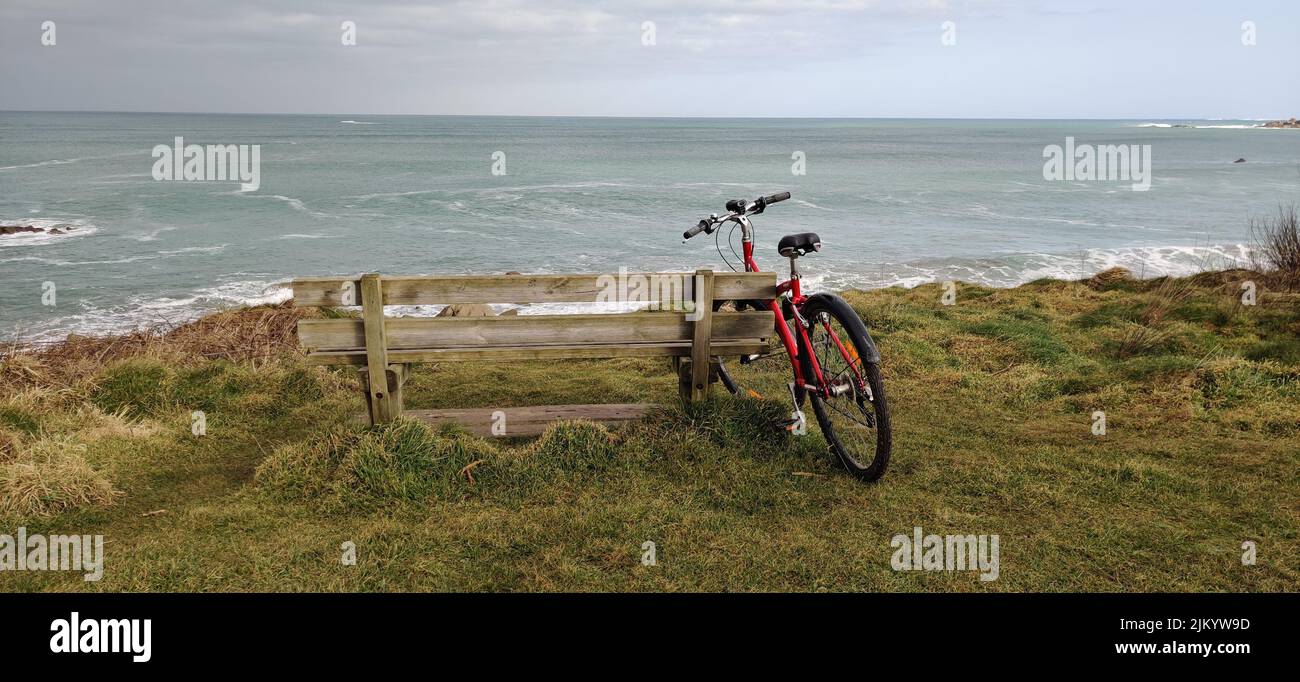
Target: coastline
point(994, 398)
point(1006, 271)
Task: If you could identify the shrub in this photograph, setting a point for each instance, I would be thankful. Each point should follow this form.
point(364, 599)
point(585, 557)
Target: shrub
point(1275, 242)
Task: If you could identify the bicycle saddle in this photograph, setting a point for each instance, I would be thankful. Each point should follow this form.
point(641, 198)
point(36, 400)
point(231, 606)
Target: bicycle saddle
point(802, 244)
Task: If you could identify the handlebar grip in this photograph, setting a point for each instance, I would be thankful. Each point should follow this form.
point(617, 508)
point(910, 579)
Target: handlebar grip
point(695, 230)
point(773, 198)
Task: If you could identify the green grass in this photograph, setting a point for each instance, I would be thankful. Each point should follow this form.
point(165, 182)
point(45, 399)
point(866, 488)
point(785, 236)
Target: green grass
point(992, 401)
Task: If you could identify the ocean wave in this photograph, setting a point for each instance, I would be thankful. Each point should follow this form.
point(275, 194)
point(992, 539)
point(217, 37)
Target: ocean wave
point(218, 248)
point(361, 123)
point(40, 164)
point(61, 162)
point(1009, 270)
point(295, 204)
point(147, 236)
point(143, 312)
point(809, 204)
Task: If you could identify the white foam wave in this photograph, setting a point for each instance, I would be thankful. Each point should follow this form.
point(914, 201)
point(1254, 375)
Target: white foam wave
point(146, 312)
point(41, 164)
point(1009, 270)
point(295, 204)
point(999, 271)
point(147, 236)
point(1222, 126)
point(218, 248)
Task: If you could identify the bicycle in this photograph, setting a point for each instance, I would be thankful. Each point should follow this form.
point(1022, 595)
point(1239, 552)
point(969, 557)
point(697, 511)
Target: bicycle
point(842, 381)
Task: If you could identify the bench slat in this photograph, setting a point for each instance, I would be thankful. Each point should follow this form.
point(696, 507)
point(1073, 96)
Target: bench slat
point(531, 421)
point(523, 330)
point(439, 289)
point(540, 352)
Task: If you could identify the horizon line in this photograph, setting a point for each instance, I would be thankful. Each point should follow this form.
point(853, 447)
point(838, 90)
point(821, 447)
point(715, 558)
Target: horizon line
point(611, 116)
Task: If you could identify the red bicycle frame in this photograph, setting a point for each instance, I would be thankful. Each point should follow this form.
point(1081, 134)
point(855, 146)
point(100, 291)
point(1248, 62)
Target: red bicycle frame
point(787, 339)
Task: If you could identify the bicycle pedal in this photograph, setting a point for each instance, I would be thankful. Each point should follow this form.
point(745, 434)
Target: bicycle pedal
point(747, 359)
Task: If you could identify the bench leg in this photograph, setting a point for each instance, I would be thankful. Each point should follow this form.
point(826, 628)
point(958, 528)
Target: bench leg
point(686, 379)
point(396, 375)
point(701, 359)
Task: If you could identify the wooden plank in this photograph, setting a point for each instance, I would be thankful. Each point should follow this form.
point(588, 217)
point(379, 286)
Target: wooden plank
point(585, 288)
point(541, 352)
point(703, 332)
point(529, 421)
point(376, 345)
point(523, 330)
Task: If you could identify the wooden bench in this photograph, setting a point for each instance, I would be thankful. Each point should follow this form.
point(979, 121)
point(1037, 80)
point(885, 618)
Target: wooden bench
point(387, 346)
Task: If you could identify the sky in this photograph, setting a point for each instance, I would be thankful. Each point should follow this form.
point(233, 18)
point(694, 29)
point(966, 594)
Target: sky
point(1142, 59)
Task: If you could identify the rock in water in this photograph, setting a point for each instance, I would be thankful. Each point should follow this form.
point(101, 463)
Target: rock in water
point(15, 229)
point(1240, 161)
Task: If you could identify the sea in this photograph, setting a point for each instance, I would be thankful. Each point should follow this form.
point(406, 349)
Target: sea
point(897, 202)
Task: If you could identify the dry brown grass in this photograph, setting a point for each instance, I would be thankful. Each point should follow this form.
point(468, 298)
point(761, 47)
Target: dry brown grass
point(1108, 277)
point(98, 425)
point(243, 335)
point(8, 445)
point(49, 477)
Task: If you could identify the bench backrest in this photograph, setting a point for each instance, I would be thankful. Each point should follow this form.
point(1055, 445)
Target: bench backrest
point(522, 337)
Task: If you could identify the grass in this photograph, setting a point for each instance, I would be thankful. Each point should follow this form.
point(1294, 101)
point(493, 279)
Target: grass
point(992, 400)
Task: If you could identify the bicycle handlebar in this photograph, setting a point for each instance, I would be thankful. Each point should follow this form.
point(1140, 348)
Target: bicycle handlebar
point(736, 208)
point(773, 198)
point(702, 226)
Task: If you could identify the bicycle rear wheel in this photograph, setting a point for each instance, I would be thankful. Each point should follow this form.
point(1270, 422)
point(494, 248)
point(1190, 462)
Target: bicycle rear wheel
point(854, 419)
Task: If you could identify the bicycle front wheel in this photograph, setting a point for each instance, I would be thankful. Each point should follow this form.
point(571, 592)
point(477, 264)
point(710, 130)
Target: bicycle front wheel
point(854, 418)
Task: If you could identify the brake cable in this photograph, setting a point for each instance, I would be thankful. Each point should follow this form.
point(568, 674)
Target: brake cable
point(716, 245)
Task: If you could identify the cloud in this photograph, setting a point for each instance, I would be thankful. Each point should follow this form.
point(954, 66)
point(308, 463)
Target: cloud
point(809, 57)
